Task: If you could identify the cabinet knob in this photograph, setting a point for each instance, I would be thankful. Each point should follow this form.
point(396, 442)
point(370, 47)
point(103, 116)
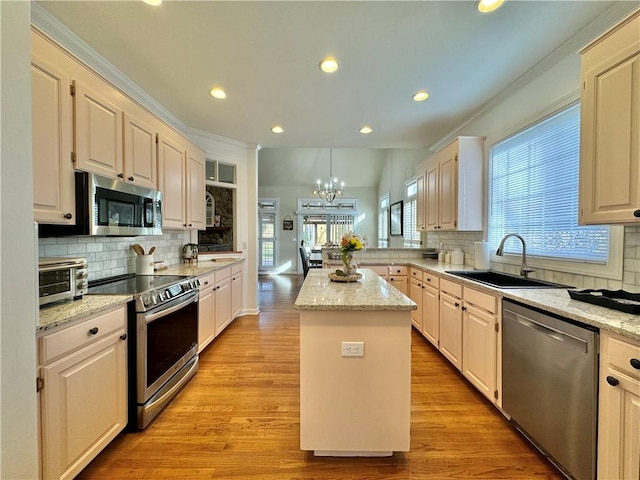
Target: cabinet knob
point(613, 381)
point(464, 309)
point(131, 179)
point(190, 224)
point(635, 363)
point(456, 304)
point(93, 331)
point(121, 175)
point(68, 216)
point(206, 283)
point(428, 280)
point(636, 213)
point(123, 336)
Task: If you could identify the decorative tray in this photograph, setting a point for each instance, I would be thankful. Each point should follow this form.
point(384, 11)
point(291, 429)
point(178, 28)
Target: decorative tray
point(345, 278)
point(616, 299)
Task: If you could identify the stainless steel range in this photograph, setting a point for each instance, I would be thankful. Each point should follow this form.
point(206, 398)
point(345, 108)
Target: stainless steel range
point(163, 333)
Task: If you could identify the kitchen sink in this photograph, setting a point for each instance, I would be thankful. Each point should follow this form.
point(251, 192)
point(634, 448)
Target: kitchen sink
point(504, 280)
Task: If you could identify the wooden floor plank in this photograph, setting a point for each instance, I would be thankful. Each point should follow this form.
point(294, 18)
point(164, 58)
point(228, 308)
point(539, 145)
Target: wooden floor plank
point(238, 418)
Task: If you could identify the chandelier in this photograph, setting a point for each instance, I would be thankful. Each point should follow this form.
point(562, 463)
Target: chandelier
point(331, 189)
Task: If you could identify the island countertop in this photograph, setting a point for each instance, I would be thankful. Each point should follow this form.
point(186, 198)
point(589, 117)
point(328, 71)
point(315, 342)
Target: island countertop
point(370, 293)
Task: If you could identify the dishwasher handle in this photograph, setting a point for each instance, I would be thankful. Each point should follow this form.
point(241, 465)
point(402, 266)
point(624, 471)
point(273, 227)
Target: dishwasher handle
point(570, 340)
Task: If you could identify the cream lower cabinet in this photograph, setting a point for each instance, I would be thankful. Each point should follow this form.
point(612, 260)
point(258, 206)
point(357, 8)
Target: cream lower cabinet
point(450, 304)
point(206, 311)
point(610, 127)
point(431, 308)
point(479, 341)
point(222, 300)
point(83, 396)
point(236, 289)
point(415, 294)
point(619, 408)
point(397, 276)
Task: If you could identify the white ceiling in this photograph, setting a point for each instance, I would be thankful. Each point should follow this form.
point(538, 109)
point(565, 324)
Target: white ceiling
point(265, 55)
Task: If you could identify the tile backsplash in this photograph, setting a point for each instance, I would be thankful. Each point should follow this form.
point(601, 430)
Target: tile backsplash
point(631, 262)
point(109, 256)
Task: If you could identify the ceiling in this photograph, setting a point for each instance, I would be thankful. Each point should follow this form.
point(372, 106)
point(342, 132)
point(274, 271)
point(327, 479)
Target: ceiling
point(265, 55)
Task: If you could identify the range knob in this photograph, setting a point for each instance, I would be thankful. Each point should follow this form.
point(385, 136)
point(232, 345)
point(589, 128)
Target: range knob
point(160, 296)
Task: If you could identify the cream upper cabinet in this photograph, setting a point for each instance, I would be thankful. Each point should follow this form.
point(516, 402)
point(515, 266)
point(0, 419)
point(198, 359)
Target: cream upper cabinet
point(140, 151)
point(421, 224)
point(172, 182)
point(453, 178)
point(53, 177)
point(619, 408)
point(195, 205)
point(181, 172)
point(98, 131)
point(610, 126)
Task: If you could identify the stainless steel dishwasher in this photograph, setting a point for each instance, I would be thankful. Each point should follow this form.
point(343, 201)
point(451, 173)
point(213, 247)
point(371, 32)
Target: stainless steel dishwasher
point(550, 385)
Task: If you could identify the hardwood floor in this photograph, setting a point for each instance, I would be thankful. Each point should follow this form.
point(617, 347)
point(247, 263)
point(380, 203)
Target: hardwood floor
point(238, 418)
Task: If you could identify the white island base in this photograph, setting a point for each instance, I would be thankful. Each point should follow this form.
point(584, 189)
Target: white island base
point(351, 405)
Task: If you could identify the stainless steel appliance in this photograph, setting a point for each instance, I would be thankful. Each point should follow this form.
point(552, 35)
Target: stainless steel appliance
point(109, 207)
point(163, 339)
point(550, 385)
point(61, 278)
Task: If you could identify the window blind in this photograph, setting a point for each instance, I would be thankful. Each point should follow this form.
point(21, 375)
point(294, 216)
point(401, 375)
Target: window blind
point(409, 227)
point(534, 192)
point(383, 222)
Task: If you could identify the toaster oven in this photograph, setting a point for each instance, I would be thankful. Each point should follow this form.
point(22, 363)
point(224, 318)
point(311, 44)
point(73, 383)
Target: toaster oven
point(61, 278)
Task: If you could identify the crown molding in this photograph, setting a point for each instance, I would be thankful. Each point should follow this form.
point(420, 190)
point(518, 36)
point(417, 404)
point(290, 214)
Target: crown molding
point(190, 131)
point(596, 27)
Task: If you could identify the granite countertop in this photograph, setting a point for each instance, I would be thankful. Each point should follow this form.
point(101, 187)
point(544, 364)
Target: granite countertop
point(369, 293)
point(65, 313)
point(553, 300)
point(68, 312)
point(202, 267)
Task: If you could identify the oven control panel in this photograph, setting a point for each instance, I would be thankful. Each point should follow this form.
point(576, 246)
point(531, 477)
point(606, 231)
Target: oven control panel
point(155, 298)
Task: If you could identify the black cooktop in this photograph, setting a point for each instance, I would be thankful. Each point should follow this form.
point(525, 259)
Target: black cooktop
point(132, 284)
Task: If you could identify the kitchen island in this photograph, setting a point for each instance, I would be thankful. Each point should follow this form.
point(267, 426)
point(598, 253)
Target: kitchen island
point(355, 366)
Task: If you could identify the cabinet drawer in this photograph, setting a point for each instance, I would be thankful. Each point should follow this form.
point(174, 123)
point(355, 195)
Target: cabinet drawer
point(479, 299)
point(223, 274)
point(451, 288)
point(415, 273)
point(62, 342)
point(622, 352)
point(397, 270)
point(236, 269)
point(379, 269)
point(430, 279)
point(207, 281)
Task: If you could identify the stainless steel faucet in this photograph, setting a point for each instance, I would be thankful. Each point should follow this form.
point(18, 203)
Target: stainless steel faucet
point(525, 270)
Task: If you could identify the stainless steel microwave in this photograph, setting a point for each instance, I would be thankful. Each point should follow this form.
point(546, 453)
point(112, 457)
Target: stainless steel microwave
point(109, 207)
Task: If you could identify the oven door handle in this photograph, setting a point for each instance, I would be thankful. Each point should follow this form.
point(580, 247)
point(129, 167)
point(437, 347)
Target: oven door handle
point(164, 312)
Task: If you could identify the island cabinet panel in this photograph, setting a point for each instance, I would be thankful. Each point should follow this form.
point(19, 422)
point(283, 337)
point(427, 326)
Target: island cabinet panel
point(352, 406)
point(610, 127)
point(619, 408)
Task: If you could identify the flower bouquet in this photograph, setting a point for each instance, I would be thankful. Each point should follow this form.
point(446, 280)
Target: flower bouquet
point(350, 243)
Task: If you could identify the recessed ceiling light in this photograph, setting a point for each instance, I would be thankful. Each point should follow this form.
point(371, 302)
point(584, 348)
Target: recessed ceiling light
point(329, 65)
point(486, 6)
point(218, 93)
point(366, 130)
point(420, 96)
point(155, 3)
point(277, 129)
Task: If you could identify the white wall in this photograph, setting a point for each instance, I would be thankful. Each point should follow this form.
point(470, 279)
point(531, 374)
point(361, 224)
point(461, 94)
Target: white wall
point(18, 309)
